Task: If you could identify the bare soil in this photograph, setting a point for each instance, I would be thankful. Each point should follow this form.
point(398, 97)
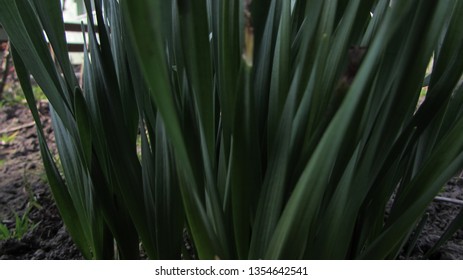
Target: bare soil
point(23, 185)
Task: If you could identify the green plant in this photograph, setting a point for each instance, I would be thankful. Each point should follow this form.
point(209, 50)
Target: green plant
point(4, 232)
point(22, 226)
point(16, 96)
point(22, 223)
point(12, 96)
point(7, 139)
point(268, 130)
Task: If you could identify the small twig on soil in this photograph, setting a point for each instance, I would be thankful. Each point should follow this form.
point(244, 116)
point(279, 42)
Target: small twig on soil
point(450, 200)
point(8, 130)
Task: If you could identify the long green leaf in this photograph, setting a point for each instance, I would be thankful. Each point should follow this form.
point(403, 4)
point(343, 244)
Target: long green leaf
point(57, 184)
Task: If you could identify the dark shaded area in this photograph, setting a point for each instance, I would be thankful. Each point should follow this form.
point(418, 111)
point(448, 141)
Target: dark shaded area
point(440, 215)
point(23, 185)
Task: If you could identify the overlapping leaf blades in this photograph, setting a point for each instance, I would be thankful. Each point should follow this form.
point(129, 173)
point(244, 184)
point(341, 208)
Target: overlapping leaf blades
point(268, 129)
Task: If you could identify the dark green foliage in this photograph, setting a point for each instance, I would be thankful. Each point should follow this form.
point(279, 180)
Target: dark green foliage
point(268, 130)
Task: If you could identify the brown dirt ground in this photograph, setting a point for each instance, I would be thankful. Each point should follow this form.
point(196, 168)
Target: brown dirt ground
point(23, 185)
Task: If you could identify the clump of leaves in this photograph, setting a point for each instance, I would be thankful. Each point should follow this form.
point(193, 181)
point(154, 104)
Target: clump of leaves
point(22, 225)
point(271, 129)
